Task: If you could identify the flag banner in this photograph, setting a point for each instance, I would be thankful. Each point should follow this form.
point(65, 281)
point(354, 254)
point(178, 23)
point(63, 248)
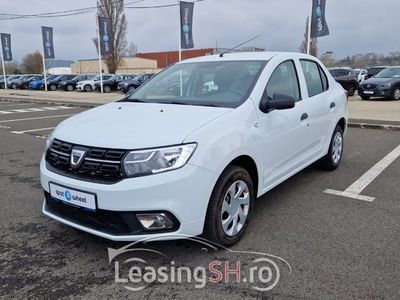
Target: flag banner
point(187, 9)
point(48, 46)
point(319, 27)
point(6, 46)
point(105, 35)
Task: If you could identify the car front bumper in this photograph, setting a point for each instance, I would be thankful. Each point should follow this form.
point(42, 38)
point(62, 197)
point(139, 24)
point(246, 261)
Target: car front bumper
point(183, 193)
point(377, 92)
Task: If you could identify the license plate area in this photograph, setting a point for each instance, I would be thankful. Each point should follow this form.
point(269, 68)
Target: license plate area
point(369, 92)
point(74, 197)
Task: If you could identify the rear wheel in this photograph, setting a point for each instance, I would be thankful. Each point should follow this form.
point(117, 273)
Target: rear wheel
point(396, 93)
point(14, 86)
point(230, 207)
point(87, 88)
point(106, 89)
point(352, 90)
point(332, 160)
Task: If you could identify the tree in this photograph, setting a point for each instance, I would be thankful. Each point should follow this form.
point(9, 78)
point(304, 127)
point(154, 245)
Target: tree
point(132, 50)
point(114, 9)
point(314, 43)
point(32, 63)
point(328, 60)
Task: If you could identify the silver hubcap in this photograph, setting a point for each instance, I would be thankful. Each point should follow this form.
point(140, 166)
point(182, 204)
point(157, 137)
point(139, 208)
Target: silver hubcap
point(397, 94)
point(337, 147)
point(235, 208)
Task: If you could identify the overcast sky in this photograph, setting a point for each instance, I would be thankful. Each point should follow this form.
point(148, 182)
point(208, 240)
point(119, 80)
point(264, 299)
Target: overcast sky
point(357, 26)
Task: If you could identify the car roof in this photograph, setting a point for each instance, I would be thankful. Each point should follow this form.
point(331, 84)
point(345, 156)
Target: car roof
point(240, 56)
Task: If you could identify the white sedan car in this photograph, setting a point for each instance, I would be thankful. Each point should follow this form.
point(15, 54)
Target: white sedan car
point(190, 151)
point(90, 85)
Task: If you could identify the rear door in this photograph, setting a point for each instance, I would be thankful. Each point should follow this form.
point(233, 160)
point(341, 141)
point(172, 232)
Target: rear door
point(319, 106)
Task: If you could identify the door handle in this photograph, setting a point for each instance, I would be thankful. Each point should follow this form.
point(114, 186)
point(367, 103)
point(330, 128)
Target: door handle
point(333, 105)
point(304, 116)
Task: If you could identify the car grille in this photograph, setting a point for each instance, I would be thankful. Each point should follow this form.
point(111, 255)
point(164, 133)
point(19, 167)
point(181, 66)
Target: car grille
point(369, 86)
point(98, 165)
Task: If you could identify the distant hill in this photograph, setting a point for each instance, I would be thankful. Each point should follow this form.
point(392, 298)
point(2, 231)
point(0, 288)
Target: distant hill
point(58, 63)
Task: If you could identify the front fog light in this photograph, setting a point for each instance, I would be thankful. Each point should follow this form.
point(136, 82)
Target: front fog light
point(156, 221)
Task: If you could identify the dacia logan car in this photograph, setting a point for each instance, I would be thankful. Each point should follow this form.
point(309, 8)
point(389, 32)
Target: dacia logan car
point(190, 158)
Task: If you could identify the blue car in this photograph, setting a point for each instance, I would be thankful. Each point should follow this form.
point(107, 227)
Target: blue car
point(39, 84)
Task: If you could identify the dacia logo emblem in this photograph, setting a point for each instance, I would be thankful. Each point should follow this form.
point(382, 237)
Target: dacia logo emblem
point(77, 156)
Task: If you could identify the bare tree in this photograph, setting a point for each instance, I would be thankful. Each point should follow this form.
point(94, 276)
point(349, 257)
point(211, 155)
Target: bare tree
point(314, 43)
point(132, 50)
point(114, 9)
point(32, 63)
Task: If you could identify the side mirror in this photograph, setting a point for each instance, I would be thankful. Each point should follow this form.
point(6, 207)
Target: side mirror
point(278, 102)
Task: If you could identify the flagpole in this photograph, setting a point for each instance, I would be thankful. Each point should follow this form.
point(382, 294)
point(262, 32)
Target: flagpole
point(44, 65)
point(309, 29)
point(180, 24)
point(4, 67)
point(99, 48)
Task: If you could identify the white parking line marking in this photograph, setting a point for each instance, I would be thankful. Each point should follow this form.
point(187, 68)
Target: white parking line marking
point(32, 130)
point(365, 180)
point(33, 109)
point(37, 118)
point(8, 105)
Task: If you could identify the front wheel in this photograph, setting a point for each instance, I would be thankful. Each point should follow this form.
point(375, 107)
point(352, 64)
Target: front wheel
point(70, 87)
point(53, 87)
point(230, 207)
point(87, 88)
point(396, 93)
point(332, 160)
point(106, 89)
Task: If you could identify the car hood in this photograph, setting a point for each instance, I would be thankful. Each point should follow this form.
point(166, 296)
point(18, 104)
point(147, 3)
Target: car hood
point(379, 81)
point(136, 125)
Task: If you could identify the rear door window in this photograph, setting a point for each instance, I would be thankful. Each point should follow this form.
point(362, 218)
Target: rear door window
point(312, 75)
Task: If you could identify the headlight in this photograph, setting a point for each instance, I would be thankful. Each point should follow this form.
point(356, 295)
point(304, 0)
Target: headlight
point(153, 161)
point(49, 141)
point(387, 84)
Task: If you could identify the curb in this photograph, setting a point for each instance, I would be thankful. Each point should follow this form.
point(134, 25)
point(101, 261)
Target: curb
point(41, 101)
point(375, 126)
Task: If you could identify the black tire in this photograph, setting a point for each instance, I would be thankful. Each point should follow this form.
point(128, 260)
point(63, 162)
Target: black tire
point(53, 87)
point(351, 90)
point(213, 230)
point(87, 88)
point(1, 85)
point(395, 95)
point(328, 162)
point(70, 87)
point(106, 89)
point(14, 86)
point(365, 97)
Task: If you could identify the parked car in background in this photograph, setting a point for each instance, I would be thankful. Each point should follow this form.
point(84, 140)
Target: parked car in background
point(347, 78)
point(384, 84)
point(52, 85)
point(39, 84)
point(130, 85)
point(8, 78)
point(24, 83)
point(371, 72)
point(89, 85)
point(172, 163)
point(361, 73)
point(112, 83)
point(70, 85)
point(14, 81)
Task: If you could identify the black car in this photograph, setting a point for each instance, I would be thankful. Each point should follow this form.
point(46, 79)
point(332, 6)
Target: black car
point(371, 72)
point(70, 85)
point(133, 84)
point(24, 83)
point(347, 78)
point(384, 84)
point(112, 83)
point(14, 81)
point(52, 85)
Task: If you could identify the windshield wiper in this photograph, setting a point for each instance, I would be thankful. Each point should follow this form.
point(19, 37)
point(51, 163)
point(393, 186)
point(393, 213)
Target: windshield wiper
point(132, 100)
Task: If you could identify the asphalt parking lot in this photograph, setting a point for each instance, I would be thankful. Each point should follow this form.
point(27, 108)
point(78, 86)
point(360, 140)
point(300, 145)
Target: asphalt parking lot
point(338, 247)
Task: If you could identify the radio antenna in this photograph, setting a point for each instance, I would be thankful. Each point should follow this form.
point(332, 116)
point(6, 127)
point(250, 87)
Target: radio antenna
point(227, 51)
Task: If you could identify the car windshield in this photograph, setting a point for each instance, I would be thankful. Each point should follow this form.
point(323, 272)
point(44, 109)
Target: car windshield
point(389, 73)
point(221, 84)
point(52, 77)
